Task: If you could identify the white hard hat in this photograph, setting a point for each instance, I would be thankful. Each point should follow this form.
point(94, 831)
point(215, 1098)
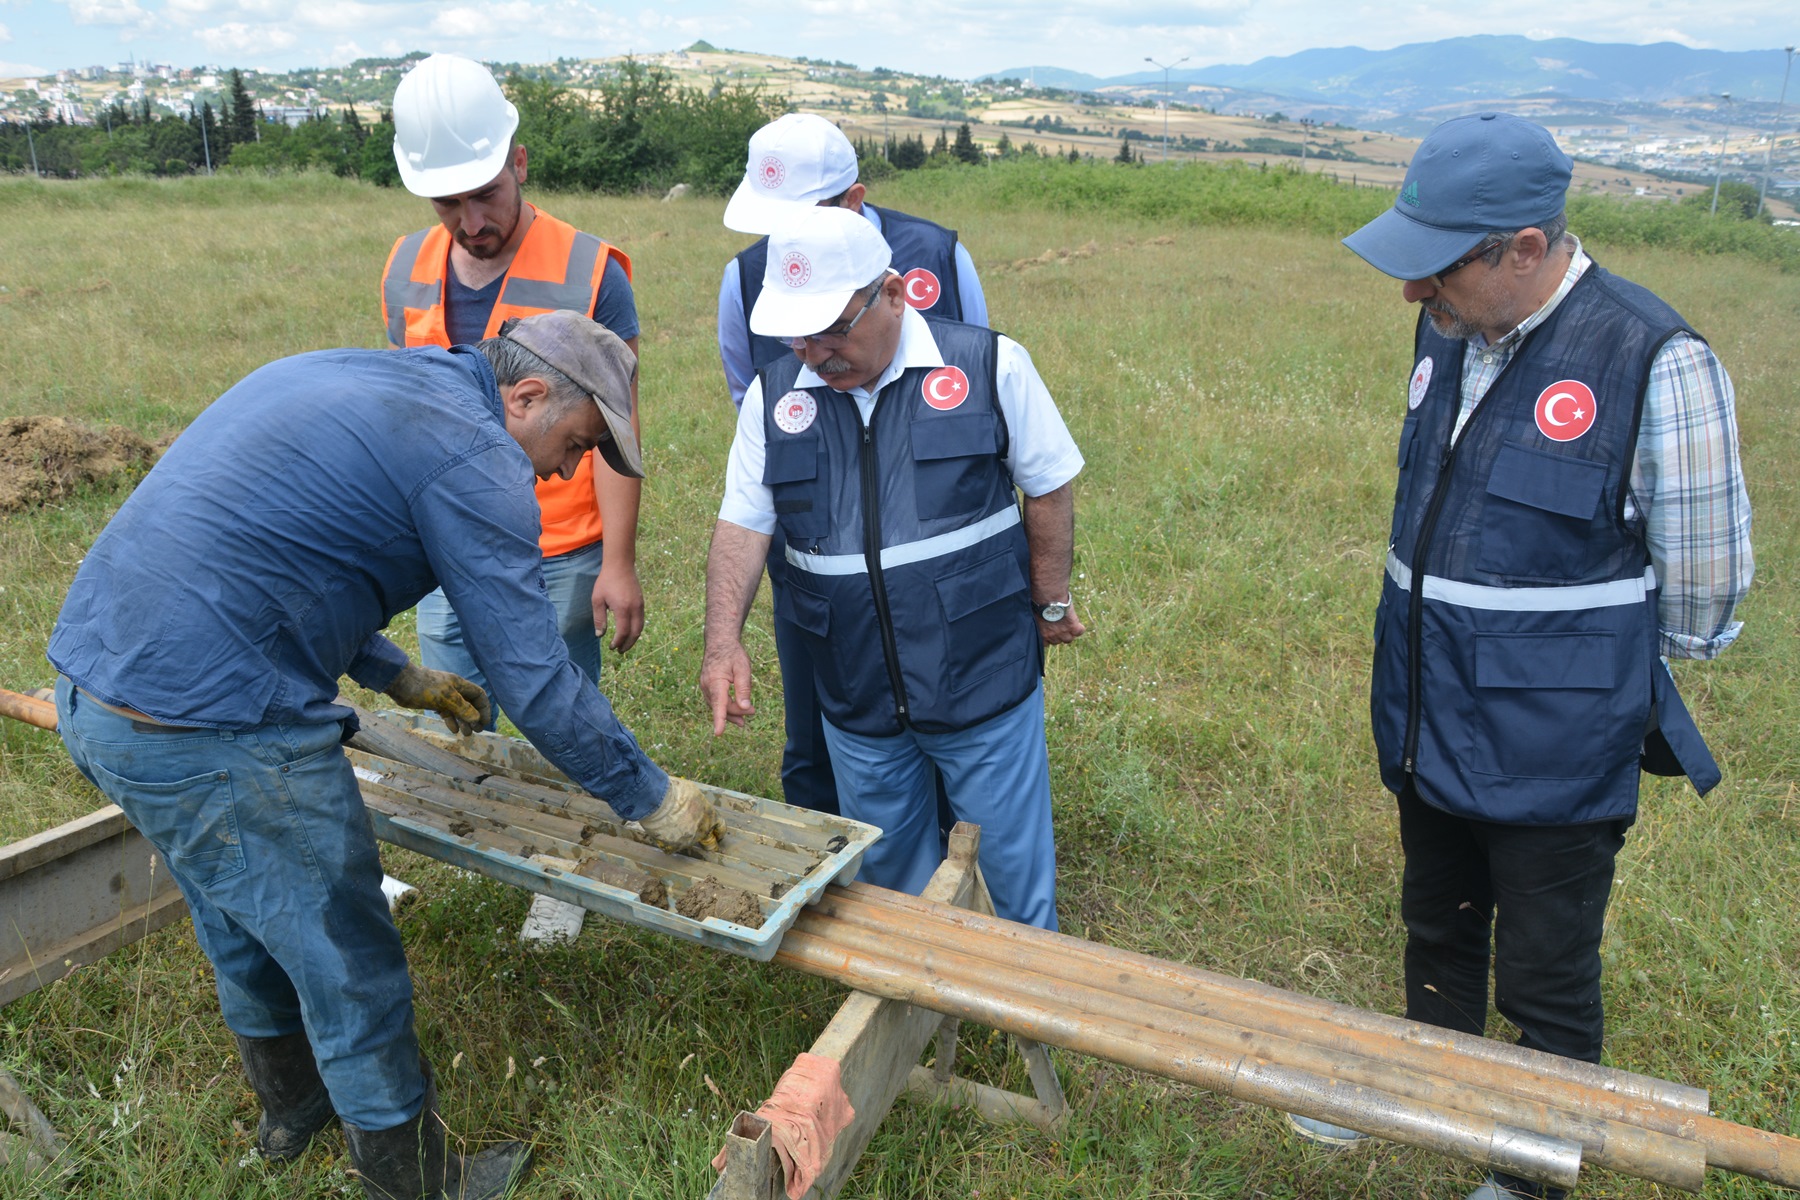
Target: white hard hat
point(452, 126)
point(818, 259)
point(797, 159)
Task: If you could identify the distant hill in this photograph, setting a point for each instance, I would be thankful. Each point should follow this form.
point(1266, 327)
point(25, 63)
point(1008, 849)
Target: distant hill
point(1374, 87)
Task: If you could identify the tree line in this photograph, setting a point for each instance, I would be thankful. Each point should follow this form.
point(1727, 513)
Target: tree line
point(637, 129)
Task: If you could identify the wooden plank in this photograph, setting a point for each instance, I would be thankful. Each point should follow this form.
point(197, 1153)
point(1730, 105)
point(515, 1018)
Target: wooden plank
point(73, 894)
point(877, 1042)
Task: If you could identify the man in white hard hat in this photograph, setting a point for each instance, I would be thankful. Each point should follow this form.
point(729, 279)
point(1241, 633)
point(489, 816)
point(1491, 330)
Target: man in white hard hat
point(889, 449)
point(491, 257)
point(281, 532)
point(804, 160)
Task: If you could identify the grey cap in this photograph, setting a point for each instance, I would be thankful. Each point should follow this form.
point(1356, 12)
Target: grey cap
point(594, 357)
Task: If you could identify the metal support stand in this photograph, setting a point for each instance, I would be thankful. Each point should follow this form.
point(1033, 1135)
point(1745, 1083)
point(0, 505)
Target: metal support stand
point(877, 1044)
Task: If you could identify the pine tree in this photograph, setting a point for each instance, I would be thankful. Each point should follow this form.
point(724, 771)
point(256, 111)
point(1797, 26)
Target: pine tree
point(1074, 154)
point(941, 147)
point(1124, 155)
point(965, 149)
point(242, 126)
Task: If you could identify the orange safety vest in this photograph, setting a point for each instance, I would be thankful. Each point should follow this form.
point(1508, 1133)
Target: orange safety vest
point(557, 266)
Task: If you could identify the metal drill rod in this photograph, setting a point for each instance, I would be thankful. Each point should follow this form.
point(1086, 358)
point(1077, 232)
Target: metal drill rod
point(988, 1001)
point(1105, 997)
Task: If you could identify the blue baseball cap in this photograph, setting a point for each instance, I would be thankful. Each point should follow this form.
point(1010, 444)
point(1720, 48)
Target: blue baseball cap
point(1475, 175)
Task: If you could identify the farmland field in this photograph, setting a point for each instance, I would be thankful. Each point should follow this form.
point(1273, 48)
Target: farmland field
point(1236, 390)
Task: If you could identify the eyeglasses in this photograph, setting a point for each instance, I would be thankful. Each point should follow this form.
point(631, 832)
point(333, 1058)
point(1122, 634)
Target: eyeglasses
point(835, 336)
point(1480, 251)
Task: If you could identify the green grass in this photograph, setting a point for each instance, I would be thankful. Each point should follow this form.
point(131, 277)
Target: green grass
point(1236, 389)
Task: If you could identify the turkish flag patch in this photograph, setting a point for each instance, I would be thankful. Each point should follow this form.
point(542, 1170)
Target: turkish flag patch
point(1565, 410)
point(922, 288)
point(946, 387)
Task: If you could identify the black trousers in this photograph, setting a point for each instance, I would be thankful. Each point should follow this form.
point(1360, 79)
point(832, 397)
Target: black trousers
point(1540, 890)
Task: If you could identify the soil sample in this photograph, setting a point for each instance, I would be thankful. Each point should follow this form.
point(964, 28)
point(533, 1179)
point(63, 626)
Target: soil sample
point(710, 898)
point(648, 888)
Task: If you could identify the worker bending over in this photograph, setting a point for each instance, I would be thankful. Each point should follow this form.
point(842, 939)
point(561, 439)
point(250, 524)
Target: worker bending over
point(200, 649)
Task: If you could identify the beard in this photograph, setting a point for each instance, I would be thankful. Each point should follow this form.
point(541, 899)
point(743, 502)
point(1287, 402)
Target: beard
point(1449, 322)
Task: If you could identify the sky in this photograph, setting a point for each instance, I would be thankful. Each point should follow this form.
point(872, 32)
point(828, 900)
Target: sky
point(962, 40)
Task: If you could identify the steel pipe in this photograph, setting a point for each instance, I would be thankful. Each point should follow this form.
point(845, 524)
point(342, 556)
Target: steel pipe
point(1197, 992)
point(1623, 1084)
point(28, 709)
point(1618, 1146)
point(988, 1002)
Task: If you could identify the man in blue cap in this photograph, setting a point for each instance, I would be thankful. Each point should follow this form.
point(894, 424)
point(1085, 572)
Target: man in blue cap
point(1570, 514)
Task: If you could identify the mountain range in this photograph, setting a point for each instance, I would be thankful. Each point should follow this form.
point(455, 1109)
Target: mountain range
point(1397, 87)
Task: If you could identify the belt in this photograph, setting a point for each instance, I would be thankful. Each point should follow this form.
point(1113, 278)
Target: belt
point(134, 716)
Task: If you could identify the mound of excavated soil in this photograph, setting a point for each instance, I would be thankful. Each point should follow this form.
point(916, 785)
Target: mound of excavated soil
point(710, 898)
point(47, 458)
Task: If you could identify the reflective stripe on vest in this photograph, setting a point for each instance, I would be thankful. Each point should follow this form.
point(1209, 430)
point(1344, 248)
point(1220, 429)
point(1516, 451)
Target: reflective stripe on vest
point(399, 291)
point(1574, 598)
point(556, 267)
point(908, 552)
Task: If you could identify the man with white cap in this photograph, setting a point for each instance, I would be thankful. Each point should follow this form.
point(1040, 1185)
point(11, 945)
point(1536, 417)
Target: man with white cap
point(887, 448)
point(803, 160)
point(200, 649)
point(490, 258)
point(1570, 507)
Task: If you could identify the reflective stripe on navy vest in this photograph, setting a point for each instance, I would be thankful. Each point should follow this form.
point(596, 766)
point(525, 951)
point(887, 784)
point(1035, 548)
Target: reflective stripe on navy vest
point(918, 245)
point(907, 563)
point(1516, 669)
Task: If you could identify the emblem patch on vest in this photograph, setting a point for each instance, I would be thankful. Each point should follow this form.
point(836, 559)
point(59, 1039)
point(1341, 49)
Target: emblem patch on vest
point(796, 269)
point(771, 172)
point(1421, 383)
point(795, 411)
point(1565, 410)
point(922, 288)
point(946, 387)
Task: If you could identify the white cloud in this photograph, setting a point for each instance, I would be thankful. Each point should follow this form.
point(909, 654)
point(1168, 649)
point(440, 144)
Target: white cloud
point(109, 12)
point(237, 38)
point(13, 70)
point(5, 34)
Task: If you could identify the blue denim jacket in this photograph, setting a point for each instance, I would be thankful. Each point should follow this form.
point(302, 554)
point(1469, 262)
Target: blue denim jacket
point(294, 518)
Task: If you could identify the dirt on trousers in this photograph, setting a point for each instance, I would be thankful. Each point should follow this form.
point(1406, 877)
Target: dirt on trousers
point(44, 459)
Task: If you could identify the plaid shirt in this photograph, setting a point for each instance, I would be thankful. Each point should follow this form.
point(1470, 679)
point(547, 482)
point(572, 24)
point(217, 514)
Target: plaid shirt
point(1686, 479)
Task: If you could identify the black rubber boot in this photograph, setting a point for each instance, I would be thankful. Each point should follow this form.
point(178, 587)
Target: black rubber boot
point(295, 1105)
point(409, 1162)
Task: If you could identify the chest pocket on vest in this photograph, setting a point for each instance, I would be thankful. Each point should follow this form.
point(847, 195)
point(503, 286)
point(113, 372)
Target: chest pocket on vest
point(953, 464)
point(1537, 523)
point(794, 470)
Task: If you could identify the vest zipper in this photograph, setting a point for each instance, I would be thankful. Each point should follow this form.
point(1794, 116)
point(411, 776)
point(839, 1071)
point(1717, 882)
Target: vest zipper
point(1409, 749)
point(871, 506)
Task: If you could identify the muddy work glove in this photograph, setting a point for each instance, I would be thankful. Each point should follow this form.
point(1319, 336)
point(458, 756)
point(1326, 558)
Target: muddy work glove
point(684, 819)
point(463, 705)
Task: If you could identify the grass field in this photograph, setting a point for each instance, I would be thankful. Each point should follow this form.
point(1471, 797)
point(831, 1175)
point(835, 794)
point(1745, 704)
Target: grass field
point(1236, 391)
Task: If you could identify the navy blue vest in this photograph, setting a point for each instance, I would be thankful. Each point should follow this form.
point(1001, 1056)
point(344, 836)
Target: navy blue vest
point(1516, 674)
point(907, 564)
point(918, 245)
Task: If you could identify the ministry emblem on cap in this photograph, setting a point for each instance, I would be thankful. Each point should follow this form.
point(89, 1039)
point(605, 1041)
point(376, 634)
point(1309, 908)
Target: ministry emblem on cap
point(796, 269)
point(773, 172)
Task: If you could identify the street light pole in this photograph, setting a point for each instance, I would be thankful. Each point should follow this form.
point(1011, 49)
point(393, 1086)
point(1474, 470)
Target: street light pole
point(1165, 71)
point(1776, 132)
point(1719, 167)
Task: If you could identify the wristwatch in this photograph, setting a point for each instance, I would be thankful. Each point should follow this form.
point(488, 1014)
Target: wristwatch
point(1056, 611)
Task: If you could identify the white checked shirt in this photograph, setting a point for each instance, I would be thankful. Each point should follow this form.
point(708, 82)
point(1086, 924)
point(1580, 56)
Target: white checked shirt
point(1686, 478)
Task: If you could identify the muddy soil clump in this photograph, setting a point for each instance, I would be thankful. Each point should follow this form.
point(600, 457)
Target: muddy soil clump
point(710, 898)
point(45, 459)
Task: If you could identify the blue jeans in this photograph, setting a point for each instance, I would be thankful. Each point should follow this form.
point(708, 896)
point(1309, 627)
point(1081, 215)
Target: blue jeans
point(569, 579)
point(997, 774)
point(266, 835)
